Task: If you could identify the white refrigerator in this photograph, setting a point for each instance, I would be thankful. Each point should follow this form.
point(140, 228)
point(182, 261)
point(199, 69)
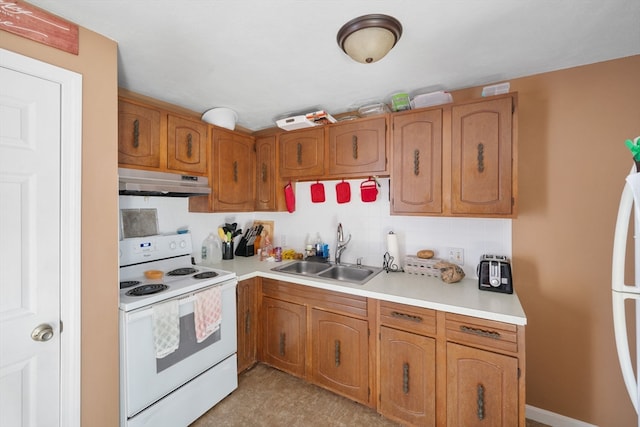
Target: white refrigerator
point(621, 292)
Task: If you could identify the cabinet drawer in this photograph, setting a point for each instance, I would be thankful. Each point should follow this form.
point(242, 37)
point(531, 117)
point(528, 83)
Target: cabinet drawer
point(336, 302)
point(481, 332)
point(408, 318)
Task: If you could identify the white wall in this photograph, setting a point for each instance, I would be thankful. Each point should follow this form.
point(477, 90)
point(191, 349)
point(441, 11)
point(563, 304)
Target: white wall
point(368, 223)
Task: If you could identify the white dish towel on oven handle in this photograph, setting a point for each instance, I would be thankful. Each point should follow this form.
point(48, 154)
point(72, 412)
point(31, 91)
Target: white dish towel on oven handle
point(207, 312)
point(166, 327)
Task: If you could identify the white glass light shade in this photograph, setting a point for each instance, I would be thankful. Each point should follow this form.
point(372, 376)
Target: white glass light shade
point(369, 44)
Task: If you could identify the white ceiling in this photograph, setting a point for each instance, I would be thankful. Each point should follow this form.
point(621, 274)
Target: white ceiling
point(268, 58)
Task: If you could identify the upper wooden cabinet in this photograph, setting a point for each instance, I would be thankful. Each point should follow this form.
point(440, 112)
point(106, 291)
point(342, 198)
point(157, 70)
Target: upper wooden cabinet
point(417, 162)
point(457, 160)
point(150, 137)
point(232, 174)
point(186, 145)
point(358, 147)
point(138, 135)
point(482, 157)
point(302, 153)
point(266, 176)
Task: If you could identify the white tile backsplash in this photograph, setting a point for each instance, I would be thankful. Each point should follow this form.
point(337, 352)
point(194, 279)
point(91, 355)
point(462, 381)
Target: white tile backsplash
point(368, 224)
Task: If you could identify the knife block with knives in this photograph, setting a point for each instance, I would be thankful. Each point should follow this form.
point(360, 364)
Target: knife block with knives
point(246, 247)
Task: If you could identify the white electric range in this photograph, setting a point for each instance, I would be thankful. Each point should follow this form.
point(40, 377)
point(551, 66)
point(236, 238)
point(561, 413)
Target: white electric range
point(179, 387)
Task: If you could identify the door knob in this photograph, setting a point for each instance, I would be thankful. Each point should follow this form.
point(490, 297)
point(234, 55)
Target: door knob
point(42, 332)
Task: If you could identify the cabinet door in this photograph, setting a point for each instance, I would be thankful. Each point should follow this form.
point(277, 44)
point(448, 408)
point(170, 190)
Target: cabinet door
point(138, 135)
point(482, 388)
point(416, 183)
point(358, 147)
point(407, 377)
point(284, 335)
point(481, 157)
point(266, 174)
point(186, 146)
point(341, 354)
point(302, 153)
point(233, 171)
point(247, 323)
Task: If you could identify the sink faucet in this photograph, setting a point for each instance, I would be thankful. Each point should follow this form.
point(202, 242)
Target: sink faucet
point(342, 245)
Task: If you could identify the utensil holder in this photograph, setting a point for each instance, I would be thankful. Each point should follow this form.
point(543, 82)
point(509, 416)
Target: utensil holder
point(227, 250)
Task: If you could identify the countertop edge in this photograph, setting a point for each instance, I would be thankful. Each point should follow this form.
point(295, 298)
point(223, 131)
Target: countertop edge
point(468, 299)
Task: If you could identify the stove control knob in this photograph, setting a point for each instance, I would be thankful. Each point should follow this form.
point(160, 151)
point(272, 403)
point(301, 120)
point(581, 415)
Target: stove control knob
point(172, 246)
point(183, 244)
point(42, 332)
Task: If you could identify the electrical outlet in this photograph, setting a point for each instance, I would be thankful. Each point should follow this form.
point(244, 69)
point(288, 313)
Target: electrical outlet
point(456, 255)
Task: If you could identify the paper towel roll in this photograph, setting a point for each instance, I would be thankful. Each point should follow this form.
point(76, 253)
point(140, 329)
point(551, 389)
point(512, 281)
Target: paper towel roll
point(392, 248)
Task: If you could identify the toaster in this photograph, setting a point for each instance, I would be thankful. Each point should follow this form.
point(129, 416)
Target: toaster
point(494, 274)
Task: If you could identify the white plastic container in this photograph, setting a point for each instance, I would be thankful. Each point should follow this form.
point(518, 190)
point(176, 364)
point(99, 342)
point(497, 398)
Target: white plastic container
point(430, 99)
point(498, 89)
point(211, 251)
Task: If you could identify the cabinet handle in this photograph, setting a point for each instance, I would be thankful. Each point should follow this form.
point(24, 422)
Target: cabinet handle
point(405, 378)
point(404, 316)
point(354, 146)
point(136, 133)
point(299, 153)
point(480, 402)
point(264, 172)
point(282, 339)
point(336, 347)
point(416, 162)
point(247, 322)
point(481, 157)
point(235, 171)
point(480, 332)
point(189, 145)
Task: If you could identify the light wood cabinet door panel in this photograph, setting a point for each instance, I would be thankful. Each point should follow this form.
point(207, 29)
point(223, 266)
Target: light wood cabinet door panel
point(481, 157)
point(358, 147)
point(186, 145)
point(340, 354)
point(482, 388)
point(407, 377)
point(416, 172)
point(284, 335)
point(138, 135)
point(302, 153)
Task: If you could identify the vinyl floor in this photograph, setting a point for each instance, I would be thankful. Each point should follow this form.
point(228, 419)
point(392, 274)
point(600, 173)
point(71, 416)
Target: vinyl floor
point(267, 397)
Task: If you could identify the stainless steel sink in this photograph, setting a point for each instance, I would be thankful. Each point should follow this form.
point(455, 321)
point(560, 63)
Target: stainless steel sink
point(306, 268)
point(356, 274)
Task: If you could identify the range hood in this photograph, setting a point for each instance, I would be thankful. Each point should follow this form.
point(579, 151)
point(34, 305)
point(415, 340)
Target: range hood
point(136, 182)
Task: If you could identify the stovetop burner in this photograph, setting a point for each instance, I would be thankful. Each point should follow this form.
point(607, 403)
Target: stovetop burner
point(147, 290)
point(205, 275)
point(182, 271)
point(128, 283)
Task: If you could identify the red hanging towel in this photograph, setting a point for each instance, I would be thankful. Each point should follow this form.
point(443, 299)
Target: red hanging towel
point(317, 192)
point(290, 197)
point(343, 192)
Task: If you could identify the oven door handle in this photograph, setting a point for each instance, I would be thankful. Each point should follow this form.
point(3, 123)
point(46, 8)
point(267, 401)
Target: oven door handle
point(148, 311)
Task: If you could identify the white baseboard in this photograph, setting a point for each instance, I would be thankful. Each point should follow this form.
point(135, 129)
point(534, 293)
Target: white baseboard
point(553, 419)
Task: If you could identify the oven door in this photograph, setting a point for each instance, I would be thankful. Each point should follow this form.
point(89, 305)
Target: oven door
point(145, 379)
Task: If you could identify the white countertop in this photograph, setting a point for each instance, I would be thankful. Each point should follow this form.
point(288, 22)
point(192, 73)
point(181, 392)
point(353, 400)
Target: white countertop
point(463, 297)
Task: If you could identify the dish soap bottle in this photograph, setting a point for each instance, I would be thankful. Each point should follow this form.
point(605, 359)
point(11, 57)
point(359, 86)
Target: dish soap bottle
point(211, 250)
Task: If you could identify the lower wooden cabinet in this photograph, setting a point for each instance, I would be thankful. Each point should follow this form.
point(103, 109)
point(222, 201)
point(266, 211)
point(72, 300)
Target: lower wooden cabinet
point(247, 323)
point(340, 360)
point(284, 335)
point(407, 377)
point(482, 388)
point(422, 367)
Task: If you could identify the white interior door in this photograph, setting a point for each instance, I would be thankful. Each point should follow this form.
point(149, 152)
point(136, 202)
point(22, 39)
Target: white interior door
point(31, 267)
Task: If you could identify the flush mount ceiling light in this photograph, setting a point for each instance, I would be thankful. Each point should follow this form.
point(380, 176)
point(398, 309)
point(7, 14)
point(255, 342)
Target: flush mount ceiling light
point(369, 38)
